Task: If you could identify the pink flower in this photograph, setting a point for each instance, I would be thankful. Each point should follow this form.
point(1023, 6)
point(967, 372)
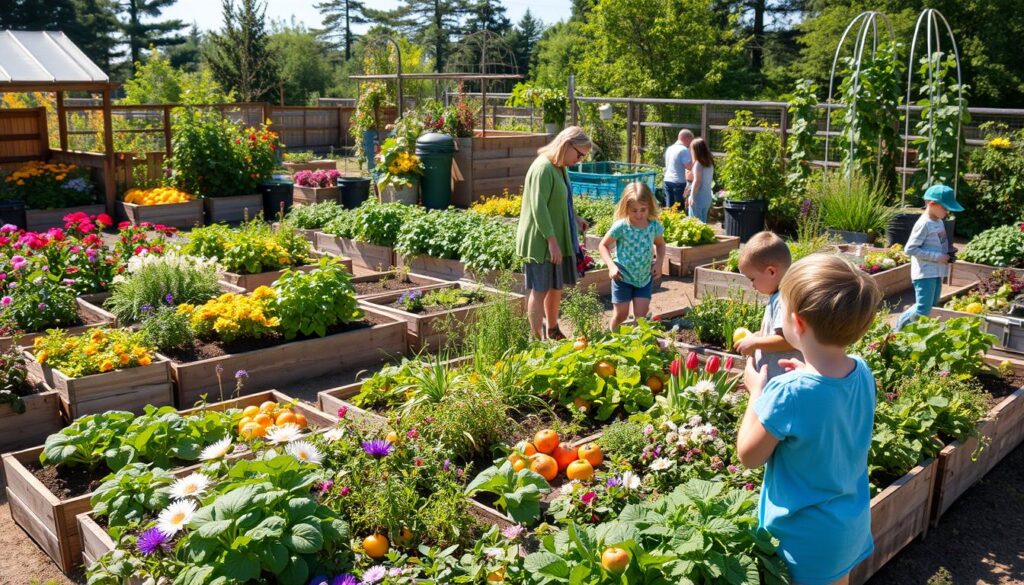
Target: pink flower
point(589, 497)
point(691, 361)
point(345, 490)
point(748, 486)
point(7, 300)
point(342, 411)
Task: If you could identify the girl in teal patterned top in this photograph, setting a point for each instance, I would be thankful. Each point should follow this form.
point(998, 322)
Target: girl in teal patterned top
point(638, 239)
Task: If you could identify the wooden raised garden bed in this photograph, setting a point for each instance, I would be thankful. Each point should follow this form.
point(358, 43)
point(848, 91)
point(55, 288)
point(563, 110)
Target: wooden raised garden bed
point(251, 282)
point(682, 260)
point(363, 254)
point(180, 215)
point(597, 278)
point(232, 209)
point(40, 220)
point(42, 417)
point(424, 331)
point(89, 311)
point(436, 267)
point(416, 281)
point(313, 165)
point(708, 281)
point(130, 389)
point(492, 161)
point(894, 280)
point(293, 361)
point(310, 235)
point(52, 522)
point(966, 273)
point(314, 195)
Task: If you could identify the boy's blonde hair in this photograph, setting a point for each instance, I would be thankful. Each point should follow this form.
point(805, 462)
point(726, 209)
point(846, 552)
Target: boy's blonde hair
point(765, 249)
point(555, 150)
point(835, 298)
point(639, 193)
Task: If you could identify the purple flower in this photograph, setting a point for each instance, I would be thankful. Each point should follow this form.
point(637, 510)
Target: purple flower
point(169, 298)
point(513, 532)
point(17, 262)
point(241, 374)
point(344, 579)
point(3, 276)
point(325, 486)
point(8, 228)
point(345, 490)
point(42, 306)
point(150, 540)
point(374, 574)
point(732, 469)
point(613, 481)
point(377, 448)
point(146, 308)
point(447, 465)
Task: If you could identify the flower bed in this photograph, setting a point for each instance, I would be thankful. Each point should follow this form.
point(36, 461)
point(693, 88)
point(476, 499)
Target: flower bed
point(382, 283)
point(889, 268)
point(90, 316)
point(967, 273)
point(312, 187)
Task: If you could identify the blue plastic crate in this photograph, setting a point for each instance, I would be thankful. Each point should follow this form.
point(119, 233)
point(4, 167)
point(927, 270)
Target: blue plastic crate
point(607, 179)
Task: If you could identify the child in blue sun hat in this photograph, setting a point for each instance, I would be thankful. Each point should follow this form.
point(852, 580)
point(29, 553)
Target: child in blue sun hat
point(929, 248)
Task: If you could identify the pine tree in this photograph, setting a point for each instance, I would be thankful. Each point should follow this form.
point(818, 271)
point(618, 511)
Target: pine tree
point(187, 55)
point(487, 15)
point(238, 55)
point(428, 22)
point(339, 16)
point(140, 35)
point(524, 40)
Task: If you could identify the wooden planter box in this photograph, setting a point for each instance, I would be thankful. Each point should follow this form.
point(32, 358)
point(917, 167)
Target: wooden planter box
point(232, 209)
point(290, 362)
point(87, 310)
point(893, 281)
point(95, 541)
point(419, 282)
point(363, 254)
point(682, 260)
point(710, 282)
point(42, 417)
point(40, 220)
point(423, 330)
point(52, 522)
point(310, 235)
point(436, 267)
point(129, 389)
point(1008, 330)
point(250, 282)
point(965, 273)
point(498, 160)
point(597, 278)
point(313, 195)
point(313, 165)
point(592, 243)
point(180, 215)
point(899, 514)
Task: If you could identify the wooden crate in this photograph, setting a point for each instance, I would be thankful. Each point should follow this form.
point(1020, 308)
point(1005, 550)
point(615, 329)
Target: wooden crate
point(893, 281)
point(419, 281)
point(129, 389)
point(232, 209)
point(427, 331)
point(710, 282)
point(291, 362)
point(899, 514)
point(89, 309)
point(682, 260)
point(313, 165)
point(436, 267)
point(251, 282)
point(363, 254)
point(40, 220)
point(965, 273)
point(185, 215)
point(314, 195)
point(42, 417)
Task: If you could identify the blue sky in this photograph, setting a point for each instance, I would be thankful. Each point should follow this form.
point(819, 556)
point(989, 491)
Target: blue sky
point(207, 13)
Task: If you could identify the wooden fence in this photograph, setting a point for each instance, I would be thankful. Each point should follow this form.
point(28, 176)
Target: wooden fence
point(23, 135)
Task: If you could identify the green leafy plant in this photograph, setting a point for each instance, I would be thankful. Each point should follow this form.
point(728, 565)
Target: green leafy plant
point(438, 234)
point(490, 245)
point(453, 297)
point(802, 140)
point(151, 282)
point(252, 248)
point(1000, 246)
point(302, 156)
point(682, 230)
point(852, 203)
point(584, 312)
point(716, 318)
point(128, 497)
point(13, 378)
point(42, 301)
point(382, 224)
point(316, 216)
point(308, 303)
point(519, 492)
point(399, 165)
point(940, 139)
point(86, 440)
point(553, 101)
point(996, 196)
point(752, 161)
point(165, 329)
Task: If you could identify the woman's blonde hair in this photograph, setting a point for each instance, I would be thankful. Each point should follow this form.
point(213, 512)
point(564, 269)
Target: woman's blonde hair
point(555, 150)
point(639, 193)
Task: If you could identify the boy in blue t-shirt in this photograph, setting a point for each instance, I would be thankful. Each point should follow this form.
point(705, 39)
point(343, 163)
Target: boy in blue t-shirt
point(812, 426)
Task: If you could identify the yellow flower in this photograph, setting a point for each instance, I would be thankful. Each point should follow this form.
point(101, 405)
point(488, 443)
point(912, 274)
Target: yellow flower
point(145, 360)
point(106, 366)
point(41, 357)
point(1000, 143)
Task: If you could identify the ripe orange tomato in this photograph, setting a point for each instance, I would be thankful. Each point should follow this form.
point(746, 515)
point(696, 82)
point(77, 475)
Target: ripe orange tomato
point(604, 369)
point(251, 411)
point(580, 344)
point(252, 430)
point(376, 546)
point(545, 441)
point(615, 560)
point(268, 407)
point(580, 470)
point(591, 453)
point(300, 419)
point(544, 465)
point(655, 384)
point(405, 537)
point(526, 448)
point(285, 417)
point(564, 455)
point(518, 464)
point(263, 420)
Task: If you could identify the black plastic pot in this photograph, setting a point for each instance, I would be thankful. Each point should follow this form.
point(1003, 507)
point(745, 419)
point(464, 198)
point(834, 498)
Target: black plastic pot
point(744, 218)
point(354, 191)
point(13, 211)
point(903, 223)
point(277, 197)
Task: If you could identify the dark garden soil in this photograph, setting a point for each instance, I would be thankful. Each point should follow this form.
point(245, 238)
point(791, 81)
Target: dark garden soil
point(1001, 386)
point(435, 309)
point(383, 286)
point(67, 482)
point(201, 350)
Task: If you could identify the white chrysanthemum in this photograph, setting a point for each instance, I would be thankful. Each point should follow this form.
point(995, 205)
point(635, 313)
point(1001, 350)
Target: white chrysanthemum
point(888, 262)
point(703, 388)
point(305, 452)
point(192, 486)
point(334, 435)
point(661, 464)
point(630, 480)
point(217, 450)
point(174, 517)
point(286, 433)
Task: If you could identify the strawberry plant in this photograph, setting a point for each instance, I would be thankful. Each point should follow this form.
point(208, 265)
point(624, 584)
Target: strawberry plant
point(131, 495)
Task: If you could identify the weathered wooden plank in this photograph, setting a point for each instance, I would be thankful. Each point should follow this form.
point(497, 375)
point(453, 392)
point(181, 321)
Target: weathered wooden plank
point(436, 267)
point(362, 254)
point(251, 282)
point(965, 273)
point(40, 220)
point(682, 260)
point(707, 281)
point(232, 209)
point(893, 281)
point(41, 418)
point(179, 215)
point(313, 195)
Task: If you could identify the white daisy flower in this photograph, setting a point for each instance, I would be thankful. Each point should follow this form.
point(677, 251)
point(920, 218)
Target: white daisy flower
point(334, 435)
point(630, 480)
point(174, 517)
point(285, 433)
point(192, 486)
point(703, 388)
point(305, 452)
point(661, 464)
point(217, 450)
point(493, 552)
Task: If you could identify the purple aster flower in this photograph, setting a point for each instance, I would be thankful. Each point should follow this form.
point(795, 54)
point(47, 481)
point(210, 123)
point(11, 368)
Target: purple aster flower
point(513, 532)
point(325, 486)
point(169, 298)
point(613, 481)
point(146, 308)
point(320, 580)
point(374, 574)
point(240, 374)
point(42, 306)
point(151, 540)
point(447, 465)
point(344, 579)
point(377, 448)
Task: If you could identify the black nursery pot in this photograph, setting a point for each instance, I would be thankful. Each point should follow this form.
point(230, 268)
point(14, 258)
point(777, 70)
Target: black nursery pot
point(13, 211)
point(354, 191)
point(744, 218)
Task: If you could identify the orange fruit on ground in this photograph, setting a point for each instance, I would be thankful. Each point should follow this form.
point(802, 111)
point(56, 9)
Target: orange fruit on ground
point(268, 407)
point(252, 430)
point(581, 404)
point(519, 464)
point(285, 418)
point(300, 419)
point(614, 560)
point(263, 419)
point(545, 441)
point(544, 465)
point(405, 537)
point(496, 576)
point(251, 411)
point(655, 384)
point(391, 437)
point(580, 470)
point(591, 453)
point(604, 369)
point(564, 455)
point(376, 546)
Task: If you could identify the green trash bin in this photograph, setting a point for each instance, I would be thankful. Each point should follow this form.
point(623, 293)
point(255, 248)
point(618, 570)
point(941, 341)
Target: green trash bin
point(436, 151)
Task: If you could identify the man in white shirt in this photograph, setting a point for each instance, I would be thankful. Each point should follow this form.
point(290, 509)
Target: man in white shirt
point(678, 163)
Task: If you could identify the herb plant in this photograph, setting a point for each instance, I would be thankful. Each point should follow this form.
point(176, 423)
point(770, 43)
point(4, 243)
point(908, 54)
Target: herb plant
point(715, 319)
point(314, 217)
point(159, 281)
point(308, 303)
point(519, 492)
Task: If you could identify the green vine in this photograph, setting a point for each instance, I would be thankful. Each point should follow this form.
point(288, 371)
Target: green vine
point(803, 111)
point(944, 109)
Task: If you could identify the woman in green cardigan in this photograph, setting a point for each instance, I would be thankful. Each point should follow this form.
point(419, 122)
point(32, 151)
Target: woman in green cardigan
point(548, 234)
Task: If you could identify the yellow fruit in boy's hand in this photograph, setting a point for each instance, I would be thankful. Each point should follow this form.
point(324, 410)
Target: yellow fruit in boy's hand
point(974, 308)
point(739, 334)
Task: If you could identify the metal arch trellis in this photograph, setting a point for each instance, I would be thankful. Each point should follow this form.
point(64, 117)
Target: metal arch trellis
point(931, 17)
point(373, 43)
point(868, 22)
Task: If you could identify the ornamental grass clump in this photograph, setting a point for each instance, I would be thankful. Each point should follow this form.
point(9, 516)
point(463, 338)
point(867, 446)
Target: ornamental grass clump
point(154, 281)
point(852, 203)
point(93, 352)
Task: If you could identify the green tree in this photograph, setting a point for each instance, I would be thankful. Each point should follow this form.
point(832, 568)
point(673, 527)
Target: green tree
point(339, 16)
point(238, 54)
point(303, 69)
point(486, 15)
point(157, 81)
point(140, 34)
point(524, 39)
point(431, 23)
point(559, 48)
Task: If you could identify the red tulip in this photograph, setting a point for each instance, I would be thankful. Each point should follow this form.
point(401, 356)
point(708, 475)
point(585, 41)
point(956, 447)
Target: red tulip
point(675, 367)
point(713, 364)
point(728, 363)
point(691, 361)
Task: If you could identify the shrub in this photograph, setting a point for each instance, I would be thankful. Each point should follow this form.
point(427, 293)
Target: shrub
point(308, 303)
point(997, 198)
point(752, 168)
point(252, 248)
point(316, 216)
point(154, 281)
point(166, 329)
point(1001, 246)
point(681, 230)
